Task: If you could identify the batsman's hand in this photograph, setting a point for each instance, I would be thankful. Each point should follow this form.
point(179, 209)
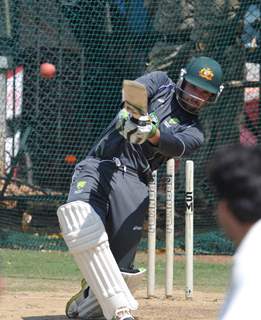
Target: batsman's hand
point(136, 131)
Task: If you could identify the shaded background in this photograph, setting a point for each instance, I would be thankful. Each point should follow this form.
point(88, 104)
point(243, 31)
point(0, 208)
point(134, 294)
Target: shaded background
point(47, 124)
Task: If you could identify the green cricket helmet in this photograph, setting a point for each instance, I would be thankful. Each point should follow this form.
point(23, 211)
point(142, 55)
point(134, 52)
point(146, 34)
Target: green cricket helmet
point(204, 73)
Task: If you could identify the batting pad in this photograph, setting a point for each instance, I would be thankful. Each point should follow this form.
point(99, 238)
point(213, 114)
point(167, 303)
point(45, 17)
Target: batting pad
point(87, 240)
point(89, 307)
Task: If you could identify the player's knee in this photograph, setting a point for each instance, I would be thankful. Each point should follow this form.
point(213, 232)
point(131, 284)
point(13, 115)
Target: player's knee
point(73, 215)
point(81, 225)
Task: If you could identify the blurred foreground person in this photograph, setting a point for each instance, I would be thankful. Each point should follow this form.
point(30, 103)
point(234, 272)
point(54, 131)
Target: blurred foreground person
point(235, 173)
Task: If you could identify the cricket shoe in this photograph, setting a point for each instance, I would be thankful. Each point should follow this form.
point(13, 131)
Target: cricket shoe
point(84, 305)
point(123, 314)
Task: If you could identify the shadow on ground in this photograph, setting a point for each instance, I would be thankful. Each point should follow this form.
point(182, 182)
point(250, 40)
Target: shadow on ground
point(59, 317)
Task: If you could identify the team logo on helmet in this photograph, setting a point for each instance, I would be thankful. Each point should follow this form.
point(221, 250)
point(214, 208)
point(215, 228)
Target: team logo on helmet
point(206, 73)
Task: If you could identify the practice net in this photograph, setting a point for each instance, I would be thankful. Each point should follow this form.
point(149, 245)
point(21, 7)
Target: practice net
point(48, 125)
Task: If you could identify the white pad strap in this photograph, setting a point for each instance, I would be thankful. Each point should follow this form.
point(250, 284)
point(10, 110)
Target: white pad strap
point(87, 240)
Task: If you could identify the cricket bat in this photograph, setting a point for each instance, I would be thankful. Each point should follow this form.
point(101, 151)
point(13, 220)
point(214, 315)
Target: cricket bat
point(135, 98)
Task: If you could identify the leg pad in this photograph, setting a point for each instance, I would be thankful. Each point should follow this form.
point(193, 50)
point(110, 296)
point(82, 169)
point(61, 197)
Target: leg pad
point(87, 240)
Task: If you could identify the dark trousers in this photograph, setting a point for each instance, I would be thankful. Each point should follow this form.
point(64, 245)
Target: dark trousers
point(119, 197)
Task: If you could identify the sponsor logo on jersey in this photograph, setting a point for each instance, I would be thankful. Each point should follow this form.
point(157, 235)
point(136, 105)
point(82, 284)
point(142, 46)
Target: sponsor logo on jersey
point(170, 122)
point(173, 121)
point(206, 73)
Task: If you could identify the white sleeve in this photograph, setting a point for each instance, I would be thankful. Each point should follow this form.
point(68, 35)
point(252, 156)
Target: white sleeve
point(242, 303)
point(243, 299)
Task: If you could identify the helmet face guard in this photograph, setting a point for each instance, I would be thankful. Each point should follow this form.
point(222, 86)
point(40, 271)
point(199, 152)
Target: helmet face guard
point(205, 74)
point(193, 103)
point(189, 102)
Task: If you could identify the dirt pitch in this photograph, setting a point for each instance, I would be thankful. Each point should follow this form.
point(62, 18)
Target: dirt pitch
point(49, 305)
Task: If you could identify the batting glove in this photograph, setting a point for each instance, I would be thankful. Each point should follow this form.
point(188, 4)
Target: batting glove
point(136, 131)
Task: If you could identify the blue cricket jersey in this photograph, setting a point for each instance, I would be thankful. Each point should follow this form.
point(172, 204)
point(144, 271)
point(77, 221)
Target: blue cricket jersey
point(180, 131)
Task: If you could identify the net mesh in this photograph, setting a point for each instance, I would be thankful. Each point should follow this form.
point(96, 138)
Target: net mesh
point(47, 125)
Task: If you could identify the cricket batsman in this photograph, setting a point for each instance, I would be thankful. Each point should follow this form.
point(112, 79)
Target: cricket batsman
point(103, 218)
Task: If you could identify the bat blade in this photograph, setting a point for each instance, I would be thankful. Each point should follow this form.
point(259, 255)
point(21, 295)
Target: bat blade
point(135, 97)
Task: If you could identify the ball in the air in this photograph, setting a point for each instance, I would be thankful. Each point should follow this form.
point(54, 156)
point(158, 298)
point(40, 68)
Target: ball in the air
point(47, 70)
point(70, 159)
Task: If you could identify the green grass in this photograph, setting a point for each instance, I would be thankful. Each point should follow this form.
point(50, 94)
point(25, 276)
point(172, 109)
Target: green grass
point(39, 265)
point(48, 266)
point(214, 275)
point(208, 276)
